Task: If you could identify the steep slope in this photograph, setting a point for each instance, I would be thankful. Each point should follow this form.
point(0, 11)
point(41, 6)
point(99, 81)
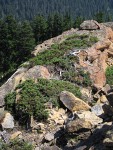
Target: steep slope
point(61, 95)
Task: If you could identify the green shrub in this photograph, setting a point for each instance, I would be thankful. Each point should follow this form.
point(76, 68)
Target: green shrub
point(33, 96)
point(79, 77)
point(57, 54)
point(16, 145)
point(109, 75)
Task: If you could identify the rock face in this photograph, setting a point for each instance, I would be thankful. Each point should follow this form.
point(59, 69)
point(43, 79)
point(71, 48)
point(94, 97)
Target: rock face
point(96, 58)
point(8, 121)
point(91, 117)
point(77, 125)
point(90, 25)
point(73, 103)
point(20, 75)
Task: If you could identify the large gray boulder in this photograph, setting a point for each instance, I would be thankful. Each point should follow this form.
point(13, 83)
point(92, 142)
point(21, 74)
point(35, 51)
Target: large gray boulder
point(90, 25)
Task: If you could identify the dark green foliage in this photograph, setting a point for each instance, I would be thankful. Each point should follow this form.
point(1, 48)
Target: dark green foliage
point(78, 21)
point(33, 96)
point(67, 22)
point(109, 75)
point(99, 17)
point(57, 25)
point(27, 9)
point(16, 145)
point(39, 25)
point(16, 44)
point(26, 42)
point(58, 54)
point(79, 77)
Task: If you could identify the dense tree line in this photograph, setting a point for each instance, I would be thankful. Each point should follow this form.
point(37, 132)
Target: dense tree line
point(18, 39)
point(27, 9)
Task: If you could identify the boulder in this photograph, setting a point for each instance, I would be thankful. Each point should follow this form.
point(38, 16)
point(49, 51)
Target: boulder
point(20, 75)
point(77, 125)
point(8, 121)
point(90, 117)
point(86, 94)
point(15, 135)
point(103, 99)
point(90, 25)
point(57, 116)
point(97, 109)
point(108, 141)
point(72, 102)
point(36, 72)
point(49, 137)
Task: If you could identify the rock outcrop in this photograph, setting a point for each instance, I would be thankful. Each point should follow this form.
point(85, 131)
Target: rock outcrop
point(90, 25)
point(97, 58)
point(77, 125)
point(21, 75)
point(72, 102)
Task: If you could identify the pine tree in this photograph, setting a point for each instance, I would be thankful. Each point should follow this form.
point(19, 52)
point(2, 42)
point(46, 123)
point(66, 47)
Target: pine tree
point(99, 17)
point(39, 25)
point(67, 22)
point(57, 25)
point(26, 41)
point(50, 21)
point(78, 21)
point(8, 35)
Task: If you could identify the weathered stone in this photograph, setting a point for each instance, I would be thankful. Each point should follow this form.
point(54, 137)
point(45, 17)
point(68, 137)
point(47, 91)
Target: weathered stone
point(36, 72)
point(49, 137)
point(103, 99)
point(72, 102)
point(77, 125)
point(106, 88)
point(20, 75)
point(8, 121)
point(86, 94)
point(108, 141)
point(90, 116)
point(15, 135)
point(58, 116)
point(90, 25)
point(97, 109)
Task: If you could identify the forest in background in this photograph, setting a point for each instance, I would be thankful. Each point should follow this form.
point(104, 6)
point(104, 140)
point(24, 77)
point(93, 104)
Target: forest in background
point(18, 39)
point(27, 9)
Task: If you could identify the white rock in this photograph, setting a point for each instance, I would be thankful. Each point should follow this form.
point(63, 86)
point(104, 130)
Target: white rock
point(8, 121)
point(49, 137)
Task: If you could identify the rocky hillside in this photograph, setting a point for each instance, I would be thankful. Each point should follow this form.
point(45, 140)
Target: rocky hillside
point(61, 99)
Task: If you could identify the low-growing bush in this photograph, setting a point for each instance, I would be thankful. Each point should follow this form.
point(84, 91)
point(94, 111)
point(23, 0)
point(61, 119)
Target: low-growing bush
point(57, 54)
point(79, 77)
point(109, 75)
point(16, 145)
point(33, 96)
